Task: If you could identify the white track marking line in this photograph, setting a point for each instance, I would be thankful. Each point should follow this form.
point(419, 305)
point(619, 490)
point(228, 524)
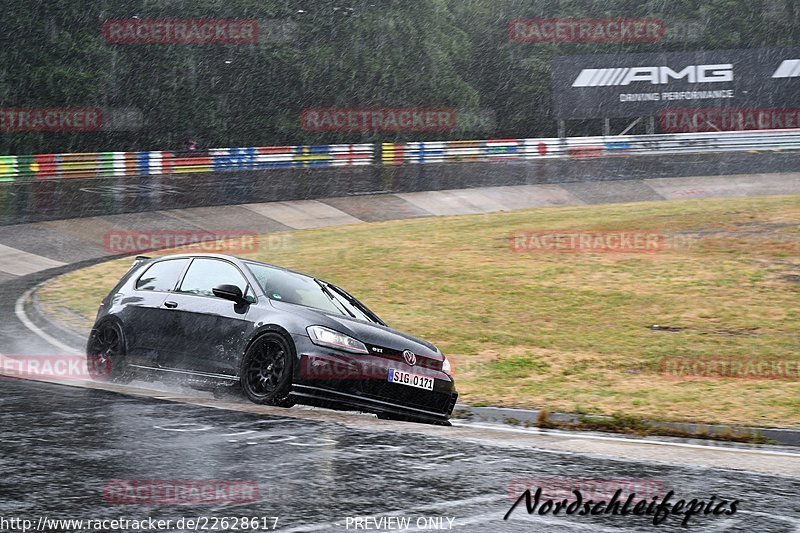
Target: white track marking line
point(561, 435)
point(627, 440)
point(149, 393)
point(19, 310)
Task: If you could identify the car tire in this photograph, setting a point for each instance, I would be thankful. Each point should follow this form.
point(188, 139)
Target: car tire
point(267, 368)
point(105, 354)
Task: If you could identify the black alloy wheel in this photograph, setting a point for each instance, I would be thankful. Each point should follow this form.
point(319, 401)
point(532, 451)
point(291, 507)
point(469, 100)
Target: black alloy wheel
point(267, 371)
point(105, 356)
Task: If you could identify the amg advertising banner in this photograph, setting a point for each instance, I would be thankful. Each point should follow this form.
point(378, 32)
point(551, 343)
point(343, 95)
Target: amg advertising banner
point(633, 85)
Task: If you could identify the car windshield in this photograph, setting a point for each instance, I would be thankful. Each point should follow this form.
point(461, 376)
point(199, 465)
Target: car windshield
point(286, 286)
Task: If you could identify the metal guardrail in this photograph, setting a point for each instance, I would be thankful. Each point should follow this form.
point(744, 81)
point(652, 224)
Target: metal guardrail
point(115, 164)
point(521, 149)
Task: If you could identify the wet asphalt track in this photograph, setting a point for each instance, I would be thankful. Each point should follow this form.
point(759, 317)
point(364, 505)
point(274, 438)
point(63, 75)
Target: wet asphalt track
point(62, 445)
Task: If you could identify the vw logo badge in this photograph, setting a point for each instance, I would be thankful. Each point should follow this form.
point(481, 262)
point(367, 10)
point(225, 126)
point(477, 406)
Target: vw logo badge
point(410, 358)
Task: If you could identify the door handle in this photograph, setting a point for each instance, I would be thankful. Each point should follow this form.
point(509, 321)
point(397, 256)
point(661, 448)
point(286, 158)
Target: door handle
point(171, 305)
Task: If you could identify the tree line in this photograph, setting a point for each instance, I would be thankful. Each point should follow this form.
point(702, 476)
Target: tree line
point(350, 54)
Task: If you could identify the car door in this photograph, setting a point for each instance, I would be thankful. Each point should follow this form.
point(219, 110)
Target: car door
point(145, 316)
point(208, 332)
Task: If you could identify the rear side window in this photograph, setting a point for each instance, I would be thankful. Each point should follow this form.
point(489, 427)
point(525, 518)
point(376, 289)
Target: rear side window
point(162, 276)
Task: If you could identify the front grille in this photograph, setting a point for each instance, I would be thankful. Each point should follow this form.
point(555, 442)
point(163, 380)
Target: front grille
point(436, 401)
point(396, 356)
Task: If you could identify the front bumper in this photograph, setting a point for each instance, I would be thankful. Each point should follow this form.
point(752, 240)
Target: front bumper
point(361, 381)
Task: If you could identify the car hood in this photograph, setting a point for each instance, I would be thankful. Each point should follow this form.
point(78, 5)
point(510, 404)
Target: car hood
point(367, 332)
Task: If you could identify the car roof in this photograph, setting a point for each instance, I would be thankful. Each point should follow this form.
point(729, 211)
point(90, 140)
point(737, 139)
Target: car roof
point(232, 258)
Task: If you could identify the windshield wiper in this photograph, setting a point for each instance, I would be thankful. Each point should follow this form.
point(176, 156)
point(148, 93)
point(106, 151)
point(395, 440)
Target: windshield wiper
point(358, 305)
point(333, 298)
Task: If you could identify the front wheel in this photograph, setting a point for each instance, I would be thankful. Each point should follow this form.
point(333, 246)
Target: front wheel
point(266, 375)
point(105, 354)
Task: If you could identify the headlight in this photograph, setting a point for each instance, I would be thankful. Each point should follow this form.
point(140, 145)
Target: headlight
point(323, 336)
point(446, 368)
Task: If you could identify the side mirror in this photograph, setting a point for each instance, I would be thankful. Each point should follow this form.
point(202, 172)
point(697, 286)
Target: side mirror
point(230, 292)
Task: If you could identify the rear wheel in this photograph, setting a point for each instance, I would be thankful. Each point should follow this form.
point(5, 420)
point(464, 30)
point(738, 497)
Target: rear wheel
point(267, 370)
point(105, 355)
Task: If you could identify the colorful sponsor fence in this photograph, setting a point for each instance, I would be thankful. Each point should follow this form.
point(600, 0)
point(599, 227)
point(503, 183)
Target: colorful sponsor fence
point(446, 151)
point(117, 164)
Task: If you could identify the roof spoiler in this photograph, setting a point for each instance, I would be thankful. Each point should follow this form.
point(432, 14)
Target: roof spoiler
point(139, 259)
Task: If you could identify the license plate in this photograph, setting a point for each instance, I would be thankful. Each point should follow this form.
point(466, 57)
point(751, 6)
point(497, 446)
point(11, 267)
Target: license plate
point(411, 380)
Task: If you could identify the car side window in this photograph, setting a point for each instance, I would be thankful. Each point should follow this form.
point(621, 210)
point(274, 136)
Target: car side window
point(162, 276)
point(205, 274)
